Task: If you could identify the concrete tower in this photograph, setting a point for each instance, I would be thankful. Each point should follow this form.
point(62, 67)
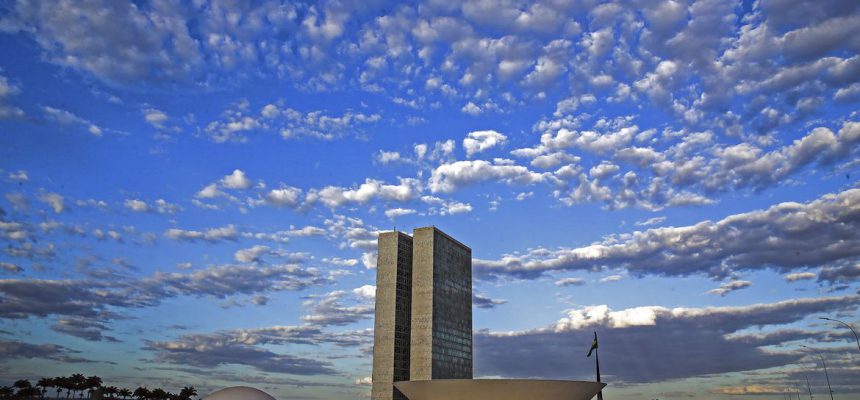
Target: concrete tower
point(441, 340)
point(423, 325)
point(393, 315)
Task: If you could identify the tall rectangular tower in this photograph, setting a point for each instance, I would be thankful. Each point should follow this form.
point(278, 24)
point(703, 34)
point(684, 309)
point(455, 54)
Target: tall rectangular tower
point(441, 339)
point(393, 308)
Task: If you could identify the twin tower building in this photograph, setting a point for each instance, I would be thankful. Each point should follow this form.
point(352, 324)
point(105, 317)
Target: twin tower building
point(423, 325)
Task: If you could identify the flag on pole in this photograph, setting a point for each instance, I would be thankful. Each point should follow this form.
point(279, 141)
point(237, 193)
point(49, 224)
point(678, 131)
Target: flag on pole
point(593, 345)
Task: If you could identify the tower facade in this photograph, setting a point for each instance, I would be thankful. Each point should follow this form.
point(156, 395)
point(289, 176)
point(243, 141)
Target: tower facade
point(441, 340)
point(423, 323)
point(391, 326)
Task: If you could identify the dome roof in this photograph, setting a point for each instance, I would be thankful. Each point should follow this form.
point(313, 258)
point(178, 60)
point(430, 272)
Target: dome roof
point(239, 393)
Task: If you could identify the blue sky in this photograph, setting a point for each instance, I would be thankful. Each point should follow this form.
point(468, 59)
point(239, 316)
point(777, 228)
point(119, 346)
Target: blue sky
point(192, 190)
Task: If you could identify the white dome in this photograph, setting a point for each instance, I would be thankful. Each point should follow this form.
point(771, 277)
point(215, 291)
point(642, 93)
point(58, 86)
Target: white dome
point(239, 393)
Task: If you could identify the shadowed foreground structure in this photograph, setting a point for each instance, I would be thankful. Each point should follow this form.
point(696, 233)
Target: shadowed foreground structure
point(498, 389)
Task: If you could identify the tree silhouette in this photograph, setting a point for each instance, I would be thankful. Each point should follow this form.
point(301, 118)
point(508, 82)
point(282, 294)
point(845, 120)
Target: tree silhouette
point(142, 393)
point(44, 383)
point(77, 382)
point(187, 393)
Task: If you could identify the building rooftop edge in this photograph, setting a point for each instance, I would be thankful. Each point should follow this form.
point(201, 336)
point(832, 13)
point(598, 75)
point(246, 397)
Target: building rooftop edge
point(433, 227)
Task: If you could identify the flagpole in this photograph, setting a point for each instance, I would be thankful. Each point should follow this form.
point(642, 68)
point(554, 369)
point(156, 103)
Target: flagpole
point(597, 366)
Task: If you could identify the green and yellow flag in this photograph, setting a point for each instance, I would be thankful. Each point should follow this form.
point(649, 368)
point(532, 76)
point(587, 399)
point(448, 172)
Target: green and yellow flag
point(593, 345)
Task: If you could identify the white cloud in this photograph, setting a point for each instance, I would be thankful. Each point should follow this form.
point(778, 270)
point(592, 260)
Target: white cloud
point(729, 287)
point(164, 207)
point(387, 157)
point(236, 180)
point(478, 141)
point(137, 205)
point(18, 176)
point(227, 232)
point(366, 292)
point(67, 118)
point(651, 221)
point(348, 262)
point(251, 254)
point(570, 282)
point(155, 117)
point(797, 276)
point(447, 178)
point(334, 196)
point(54, 200)
point(471, 109)
point(210, 192)
point(398, 212)
point(611, 278)
point(366, 381)
point(286, 196)
point(456, 207)
point(368, 259)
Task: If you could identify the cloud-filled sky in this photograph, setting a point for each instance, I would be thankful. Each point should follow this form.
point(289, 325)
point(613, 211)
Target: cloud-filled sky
point(191, 191)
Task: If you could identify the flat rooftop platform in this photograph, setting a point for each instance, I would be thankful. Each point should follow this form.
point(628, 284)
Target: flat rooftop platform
point(498, 389)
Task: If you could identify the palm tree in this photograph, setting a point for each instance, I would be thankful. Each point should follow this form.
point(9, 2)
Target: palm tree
point(77, 382)
point(59, 383)
point(6, 392)
point(28, 392)
point(44, 383)
point(142, 393)
point(124, 393)
point(187, 393)
point(158, 394)
point(92, 383)
point(111, 391)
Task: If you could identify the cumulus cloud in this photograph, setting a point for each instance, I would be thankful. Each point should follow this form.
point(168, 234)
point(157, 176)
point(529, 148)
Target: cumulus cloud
point(246, 347)
point(366, 292)
point(479, 141)
point(483, 301)
point(251, 254)
point(330, 309)
point(13, 349)
point(570, 282)
point(286, 196)
point(388, 157)
point(7, 90)
point(67, 118)
point(398, 212)
point(447, 178)
point(239, 120)
point(155, 117)
point(209, 352)
point(653, 331)
point(797, 276)
point(236, 180)
point(729, 287)
point(100, 300)
point(54, 200)
point(819, 232)
point(334, 196)
point(83, 328)
point(227, 232)
point(137, 205)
